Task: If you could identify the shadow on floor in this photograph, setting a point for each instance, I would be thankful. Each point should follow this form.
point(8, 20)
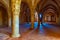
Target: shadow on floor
point(45, 29)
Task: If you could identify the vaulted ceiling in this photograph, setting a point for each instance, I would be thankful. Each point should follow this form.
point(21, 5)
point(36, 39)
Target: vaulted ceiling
point(37, 4)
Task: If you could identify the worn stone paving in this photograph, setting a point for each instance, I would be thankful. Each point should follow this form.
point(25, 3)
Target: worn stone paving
point(49, 32)
point(36, 36)
point(3, 36)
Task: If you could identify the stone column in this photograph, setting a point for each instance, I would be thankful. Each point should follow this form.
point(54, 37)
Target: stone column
point(38, 21)
point(32, 18)
point(15, 20)
point(9, 14)
point(9, 21)
point(1, 18)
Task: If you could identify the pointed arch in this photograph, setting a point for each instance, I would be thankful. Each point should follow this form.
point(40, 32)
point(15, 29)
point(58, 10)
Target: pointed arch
point(4, 14)
point(25, 13)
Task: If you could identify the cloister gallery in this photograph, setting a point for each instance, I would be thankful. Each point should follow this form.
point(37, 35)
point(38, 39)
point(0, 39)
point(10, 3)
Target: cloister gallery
point(29, 19)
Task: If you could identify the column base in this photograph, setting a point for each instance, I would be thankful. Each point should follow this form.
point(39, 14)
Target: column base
point(31, 28)
point(17, 35)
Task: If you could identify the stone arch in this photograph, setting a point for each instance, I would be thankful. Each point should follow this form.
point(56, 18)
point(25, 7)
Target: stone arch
point(50, 16)
point(39, 5)
point(5, 5)
point(48, 4)
point(25, 13)
point(4, 15)
point(43, 3)
point(54, 9)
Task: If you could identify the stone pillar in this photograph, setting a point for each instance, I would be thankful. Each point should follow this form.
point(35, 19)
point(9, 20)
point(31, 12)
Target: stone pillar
point(38, 22)
point(15, 4)
point(32, 18)
point(9, 21)
point(9, 14)
point(1, 18)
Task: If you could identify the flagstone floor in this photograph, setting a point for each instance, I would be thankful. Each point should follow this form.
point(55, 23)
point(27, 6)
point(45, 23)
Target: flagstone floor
point(45, 32)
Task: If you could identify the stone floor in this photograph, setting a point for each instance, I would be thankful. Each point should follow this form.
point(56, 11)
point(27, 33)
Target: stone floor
point(3, 36)
point(45, 32)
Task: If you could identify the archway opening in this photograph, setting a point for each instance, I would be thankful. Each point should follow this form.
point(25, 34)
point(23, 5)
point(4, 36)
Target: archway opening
point(25, 16)
point(50, 16)
point(36, 16)
point(3, 17)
